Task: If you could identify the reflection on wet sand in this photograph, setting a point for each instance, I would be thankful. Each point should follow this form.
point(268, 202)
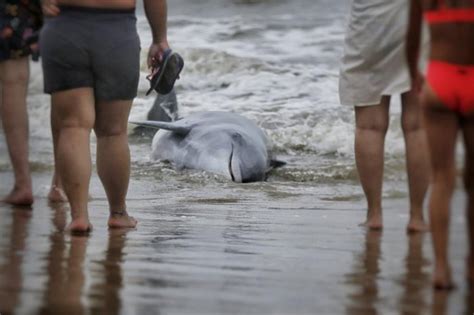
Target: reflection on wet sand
point(415, 280)
point(65, 291)
point(65, 270)
point(225, 258)
point(440, 302)
point(105, 295)
point(11, 278)
point(417, 296)
point(364, 277)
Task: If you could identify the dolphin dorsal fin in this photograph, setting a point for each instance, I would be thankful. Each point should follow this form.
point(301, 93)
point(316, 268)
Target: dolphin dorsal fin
point(178, 126)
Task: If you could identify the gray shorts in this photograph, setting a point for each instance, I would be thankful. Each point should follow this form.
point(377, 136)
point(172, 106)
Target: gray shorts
point(87, 47)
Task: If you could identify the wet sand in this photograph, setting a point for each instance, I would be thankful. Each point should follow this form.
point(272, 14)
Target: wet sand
point(246, 249)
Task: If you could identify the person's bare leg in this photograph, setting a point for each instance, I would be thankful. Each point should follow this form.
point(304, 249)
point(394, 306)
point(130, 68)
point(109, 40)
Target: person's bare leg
point(468, 132)
point(112, 141)
point(56, 193)
point(441, 129)
point(76, 115)
point(371, 128)
point(14, 76)
point(417, 160)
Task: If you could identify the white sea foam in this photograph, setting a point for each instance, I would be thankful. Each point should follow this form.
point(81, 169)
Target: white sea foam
point(281, 73)
point(276, 67)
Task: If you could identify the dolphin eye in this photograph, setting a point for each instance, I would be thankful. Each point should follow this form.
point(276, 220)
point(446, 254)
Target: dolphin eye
point(237, 137)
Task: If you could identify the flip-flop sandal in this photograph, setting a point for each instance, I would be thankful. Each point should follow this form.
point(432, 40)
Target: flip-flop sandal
point(162, 79)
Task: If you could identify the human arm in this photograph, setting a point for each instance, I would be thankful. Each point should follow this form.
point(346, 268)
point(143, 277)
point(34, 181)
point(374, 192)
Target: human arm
point(156, 12)
point(413, 38)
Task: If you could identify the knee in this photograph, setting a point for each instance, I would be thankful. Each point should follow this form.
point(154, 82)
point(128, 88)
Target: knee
point(373, 119)
point(15, 78)
point(15, 73)
point(110, 130)
point(411, 124)
point(445, 178)
point(376, 125)
point(74, 123)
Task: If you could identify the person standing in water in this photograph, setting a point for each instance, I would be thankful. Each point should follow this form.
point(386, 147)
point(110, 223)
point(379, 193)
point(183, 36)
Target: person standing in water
point(91, 57)
point(373, 69)
point(20, 22)
point(447, 101)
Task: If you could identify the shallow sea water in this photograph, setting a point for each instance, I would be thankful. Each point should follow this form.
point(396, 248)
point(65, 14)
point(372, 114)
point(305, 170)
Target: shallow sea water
point(204, 245)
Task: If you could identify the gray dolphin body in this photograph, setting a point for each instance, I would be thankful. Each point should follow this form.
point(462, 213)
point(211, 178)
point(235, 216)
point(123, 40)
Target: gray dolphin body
point(220, 142)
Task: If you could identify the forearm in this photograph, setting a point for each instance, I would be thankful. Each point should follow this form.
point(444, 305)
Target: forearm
point(413, 37)
point(156, 13)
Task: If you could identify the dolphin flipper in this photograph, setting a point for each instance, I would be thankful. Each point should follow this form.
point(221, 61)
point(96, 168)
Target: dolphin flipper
point(181, 127)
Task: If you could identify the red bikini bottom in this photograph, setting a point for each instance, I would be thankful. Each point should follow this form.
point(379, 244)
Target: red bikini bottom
point(453, 85)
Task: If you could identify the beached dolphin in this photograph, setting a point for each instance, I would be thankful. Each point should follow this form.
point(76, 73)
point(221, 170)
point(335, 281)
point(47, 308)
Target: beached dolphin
point(220, 142)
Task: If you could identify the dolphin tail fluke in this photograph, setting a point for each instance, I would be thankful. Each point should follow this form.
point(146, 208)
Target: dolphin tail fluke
point(177, 126)
point(277, 163)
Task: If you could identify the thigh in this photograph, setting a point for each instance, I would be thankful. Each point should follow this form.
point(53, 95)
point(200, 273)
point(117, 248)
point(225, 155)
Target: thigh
point(112, 117)
point(441, 125)
point(430, 99)
point(441, 129)
point(73, 108)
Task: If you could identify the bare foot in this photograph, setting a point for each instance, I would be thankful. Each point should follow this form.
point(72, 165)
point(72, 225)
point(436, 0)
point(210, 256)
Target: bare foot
point(121, 220)
point(79, 226)
point(19, 197)
point(373, 223)
point(416, 226)
point(442, 279)
point(56, 194)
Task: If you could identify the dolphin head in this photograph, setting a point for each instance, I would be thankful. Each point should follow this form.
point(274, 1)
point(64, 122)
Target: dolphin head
point(247, 161)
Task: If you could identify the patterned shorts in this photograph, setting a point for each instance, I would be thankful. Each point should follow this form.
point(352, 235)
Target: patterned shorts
point(20, 23)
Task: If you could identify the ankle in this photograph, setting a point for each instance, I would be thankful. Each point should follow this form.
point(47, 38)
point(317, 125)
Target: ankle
point(22, 186)
point(79, 225)
point(374, 213)
point(416, 214)
point(118, 213)
point(57, 194)
point(121, 220)
point(120, 210)
point(80, 215)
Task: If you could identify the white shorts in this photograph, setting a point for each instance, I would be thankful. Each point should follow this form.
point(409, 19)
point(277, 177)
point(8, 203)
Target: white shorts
point(374, 62)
